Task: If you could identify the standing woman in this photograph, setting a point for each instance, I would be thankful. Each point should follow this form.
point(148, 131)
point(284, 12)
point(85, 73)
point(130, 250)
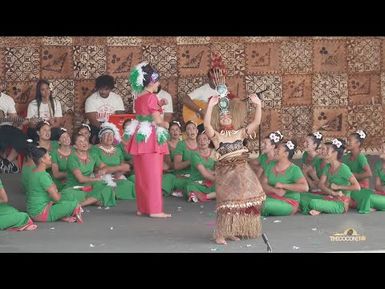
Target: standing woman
point(239, 193)
point(147, 141)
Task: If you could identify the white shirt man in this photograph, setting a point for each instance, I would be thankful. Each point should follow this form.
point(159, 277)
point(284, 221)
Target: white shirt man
point(7, 105)
point(168, 109)
point(104, 106)
point(203, 93)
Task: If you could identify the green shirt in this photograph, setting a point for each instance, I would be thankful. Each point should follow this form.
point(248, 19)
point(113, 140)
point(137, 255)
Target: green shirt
point(340, 177)
point(181, 149)
point(38, 197)
point(110, 160)
point(196, 159)
point(85, 168)
point(379, 171)
point(357, 165)
point(315, 163)
point(62, 164)
point(290, 176)
point(126, 155)
point(264, 162)
point(26, 175)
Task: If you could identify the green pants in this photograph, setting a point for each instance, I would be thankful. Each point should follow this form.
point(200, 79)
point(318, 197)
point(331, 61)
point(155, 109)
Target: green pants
point(306, 198)
point(276, 207)
point(362, 199)
point(326, 206)
point(61, 209)
point(196, 187)
point(125, 190)
point(377, 202)
point(11, 217)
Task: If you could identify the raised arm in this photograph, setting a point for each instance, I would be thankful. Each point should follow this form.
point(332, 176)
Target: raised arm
point(207, 120)
point(251, 127)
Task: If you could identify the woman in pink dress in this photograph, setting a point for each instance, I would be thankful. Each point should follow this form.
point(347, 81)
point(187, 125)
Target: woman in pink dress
point(147, 141)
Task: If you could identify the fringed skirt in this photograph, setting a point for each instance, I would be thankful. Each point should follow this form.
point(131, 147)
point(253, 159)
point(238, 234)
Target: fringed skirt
point(240, 199)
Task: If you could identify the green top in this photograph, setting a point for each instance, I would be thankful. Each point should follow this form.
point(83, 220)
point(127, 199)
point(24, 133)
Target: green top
point(38, 197)
point(85, 168)
point(1, 185)
point(357, 165)
point(196, 159)
point(25, 176)
point(110, 160)
point(264, 162)
point(181, 149)
point(61, 161)
point(340, 177)
point(126, 155)
point(315, 163)
point(379, 171)
point(290, 176)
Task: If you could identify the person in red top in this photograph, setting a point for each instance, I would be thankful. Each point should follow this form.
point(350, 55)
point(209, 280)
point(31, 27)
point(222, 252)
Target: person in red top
point(147, 141)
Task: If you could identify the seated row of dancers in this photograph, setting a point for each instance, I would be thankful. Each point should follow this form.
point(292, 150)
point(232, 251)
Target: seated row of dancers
point(59, 178)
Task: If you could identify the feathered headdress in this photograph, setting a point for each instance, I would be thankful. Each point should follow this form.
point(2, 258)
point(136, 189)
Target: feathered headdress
point(108, 126)
point(137, 77)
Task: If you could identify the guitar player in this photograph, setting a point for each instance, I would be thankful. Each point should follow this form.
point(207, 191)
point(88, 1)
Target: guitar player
point(202, 94)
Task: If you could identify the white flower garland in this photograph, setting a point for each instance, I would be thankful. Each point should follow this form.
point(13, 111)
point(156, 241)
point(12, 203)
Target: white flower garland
point(145, 129)
point(131, 128)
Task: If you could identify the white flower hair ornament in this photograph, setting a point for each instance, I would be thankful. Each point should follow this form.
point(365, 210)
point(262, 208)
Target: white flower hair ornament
point(87, 126)
point(274, 137)
point(361, 133)
point(177, 123)
point(290, 145)
point(317, 135)
point(337, 143)
point(108, 126)
point(279, 134)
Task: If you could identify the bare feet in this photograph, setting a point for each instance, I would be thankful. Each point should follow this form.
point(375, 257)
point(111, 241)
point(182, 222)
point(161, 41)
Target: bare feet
point(139, 213)
point(220, 241)
point(314, 213)
point(160, 215)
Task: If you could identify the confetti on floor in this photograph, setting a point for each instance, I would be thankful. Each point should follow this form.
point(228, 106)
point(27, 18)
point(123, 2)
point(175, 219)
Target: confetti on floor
point(52, 228)
point(111, 228)
point(92, 245)
point(107, 208)
point(295, 247)
point(314, 229)
point(277, 221)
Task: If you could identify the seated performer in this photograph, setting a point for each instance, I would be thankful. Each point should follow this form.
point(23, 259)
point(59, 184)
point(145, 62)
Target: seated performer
point(201, 184)
point(88, 188)
point(60, 157)
point(283, 183)
point(337, 182)
point(44, 202)
point(112, 156)
point(311, 162)
point(11, 218)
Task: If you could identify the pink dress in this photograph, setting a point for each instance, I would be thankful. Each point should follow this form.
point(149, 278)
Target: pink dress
point(148, 160)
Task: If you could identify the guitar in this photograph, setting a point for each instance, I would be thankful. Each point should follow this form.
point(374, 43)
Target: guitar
point(189, 114)
point(16, 121)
